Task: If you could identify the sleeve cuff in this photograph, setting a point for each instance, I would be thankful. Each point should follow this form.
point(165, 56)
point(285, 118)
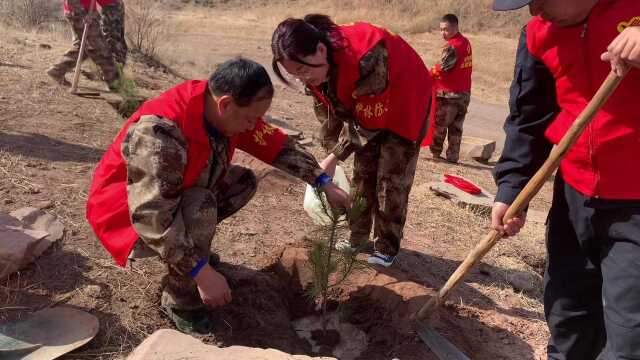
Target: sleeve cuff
point(322, 180)
point(507, 194)
point(196, 269)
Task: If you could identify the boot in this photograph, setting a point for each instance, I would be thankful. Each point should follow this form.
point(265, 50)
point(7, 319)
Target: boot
point(58, 77)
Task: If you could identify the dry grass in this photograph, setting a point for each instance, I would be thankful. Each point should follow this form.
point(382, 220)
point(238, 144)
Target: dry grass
point(144, 26)
point(28, 13)
point(198, 38)
point(407, 16)
point(416, 16)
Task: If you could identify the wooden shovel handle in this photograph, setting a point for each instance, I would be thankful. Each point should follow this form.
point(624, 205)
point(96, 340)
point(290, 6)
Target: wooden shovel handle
point(83, 44)
point(530, 190)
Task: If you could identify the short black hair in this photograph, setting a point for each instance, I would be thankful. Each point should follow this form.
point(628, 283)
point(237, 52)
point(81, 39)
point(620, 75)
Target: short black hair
point(243, 79)
point(451, 19)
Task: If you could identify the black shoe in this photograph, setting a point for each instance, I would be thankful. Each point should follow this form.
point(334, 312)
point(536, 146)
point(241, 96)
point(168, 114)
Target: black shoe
point(191, 322)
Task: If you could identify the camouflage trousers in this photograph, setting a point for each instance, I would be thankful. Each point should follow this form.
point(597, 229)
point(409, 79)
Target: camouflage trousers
point(96, 48)
point(383, 174)
point(112, 23)
point(202, 211)
point(450, 114)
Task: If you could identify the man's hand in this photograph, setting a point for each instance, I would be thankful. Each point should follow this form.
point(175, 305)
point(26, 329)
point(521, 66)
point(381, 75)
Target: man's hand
point(213, 287)
point(513, 226)
point(329, 164)
point(624, 51)
point(337, 197)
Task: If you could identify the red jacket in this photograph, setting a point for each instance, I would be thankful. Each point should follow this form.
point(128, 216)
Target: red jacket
point(604, 162)
point(458, 79)
point(402, 107)
point(87, 3)
point(107, 206)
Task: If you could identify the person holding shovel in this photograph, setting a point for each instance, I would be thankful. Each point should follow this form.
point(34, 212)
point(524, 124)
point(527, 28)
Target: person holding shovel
point(98, 49)
point(374, 95)
point(167, 180)
point(591, 285)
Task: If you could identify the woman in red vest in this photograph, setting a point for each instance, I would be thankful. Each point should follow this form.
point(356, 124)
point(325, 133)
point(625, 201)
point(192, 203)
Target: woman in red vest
point(592, 280)
point(376, 92)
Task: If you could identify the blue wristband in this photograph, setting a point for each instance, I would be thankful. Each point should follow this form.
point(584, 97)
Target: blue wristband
point(322, 180)
point(196, 269)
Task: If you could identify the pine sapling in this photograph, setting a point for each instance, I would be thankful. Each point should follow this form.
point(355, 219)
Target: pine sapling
point(325, 260)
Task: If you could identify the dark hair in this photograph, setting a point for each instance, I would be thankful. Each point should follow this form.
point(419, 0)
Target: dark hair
point(295, 38)
point(243, 79)
point(451, 19)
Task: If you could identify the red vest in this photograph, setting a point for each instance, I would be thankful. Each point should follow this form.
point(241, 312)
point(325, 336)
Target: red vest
point(86, 4)
point(604, 162)
point(458, 79)
point(402, 107)
point(107, 206)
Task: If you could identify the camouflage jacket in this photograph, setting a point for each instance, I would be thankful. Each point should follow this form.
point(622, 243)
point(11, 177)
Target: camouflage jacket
point(448, 60)
point(340, 133)
point(155, 151)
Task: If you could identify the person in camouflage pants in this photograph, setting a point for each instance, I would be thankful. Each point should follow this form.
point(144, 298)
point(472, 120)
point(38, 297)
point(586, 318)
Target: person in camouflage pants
point(97, 48)
point(384, 163)
point(453, 89)
point(167, 181)
point(112, 23)
point(451, 110)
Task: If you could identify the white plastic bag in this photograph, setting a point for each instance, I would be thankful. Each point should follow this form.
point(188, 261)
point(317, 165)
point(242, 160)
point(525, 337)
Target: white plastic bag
point(312, 204)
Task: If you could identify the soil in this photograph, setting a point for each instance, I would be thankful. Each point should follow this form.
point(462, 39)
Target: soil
point(50, 142)
point(327, 339)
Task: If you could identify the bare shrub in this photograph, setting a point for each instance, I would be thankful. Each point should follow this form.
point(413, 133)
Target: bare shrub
point(28, 13)
point(144, 26)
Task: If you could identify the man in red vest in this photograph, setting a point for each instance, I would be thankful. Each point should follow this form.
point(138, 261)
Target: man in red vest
point(453, 89)
point(167, 180)
point(591, 292)
point(100, 47)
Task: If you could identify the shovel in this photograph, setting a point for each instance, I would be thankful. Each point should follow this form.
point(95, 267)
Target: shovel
point(83, 44)
point(530, 190)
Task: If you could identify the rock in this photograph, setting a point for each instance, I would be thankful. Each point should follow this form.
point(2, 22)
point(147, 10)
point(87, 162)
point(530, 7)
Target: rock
point(480, 203)
point(168, 344)
point(43, 205)
point(477, 148)
point(277, 122)
point(92, 291)
point(524, 281)
point(284, 126)
point(18, 246)
point(37, 219)
point(342, 339)
point(24, 235)
point(295, 263)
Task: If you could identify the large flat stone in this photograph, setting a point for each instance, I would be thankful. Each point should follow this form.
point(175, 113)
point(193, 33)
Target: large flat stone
point(24, 235)
point(168, 344)
point(480, 203)
point(477, 148)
